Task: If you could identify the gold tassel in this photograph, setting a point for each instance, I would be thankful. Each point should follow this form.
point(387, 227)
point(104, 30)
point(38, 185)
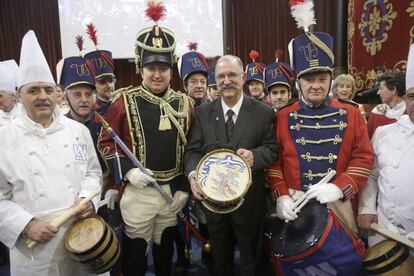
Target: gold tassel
point(165, 123)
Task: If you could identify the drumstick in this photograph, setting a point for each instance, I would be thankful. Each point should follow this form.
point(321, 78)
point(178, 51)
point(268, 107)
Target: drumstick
point(60, 220)
point(322, 181)
point(303, 200)
point(392, 235)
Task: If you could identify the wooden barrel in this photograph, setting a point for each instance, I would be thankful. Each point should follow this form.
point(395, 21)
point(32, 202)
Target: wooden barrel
point(389, 258)
point(92, 243)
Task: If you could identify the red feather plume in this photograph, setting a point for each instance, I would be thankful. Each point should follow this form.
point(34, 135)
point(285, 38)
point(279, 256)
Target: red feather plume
point(155, 11)
point(79, 42)
point(253, 55)
point(295, 2)
point(278, 53)
point(91, 31)
point(203, 59)
point(192, 46)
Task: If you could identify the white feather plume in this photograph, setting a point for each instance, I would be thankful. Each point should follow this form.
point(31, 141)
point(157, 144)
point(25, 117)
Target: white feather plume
point(303, 14)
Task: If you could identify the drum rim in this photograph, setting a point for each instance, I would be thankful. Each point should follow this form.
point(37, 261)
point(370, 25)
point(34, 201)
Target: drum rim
point(317, 241)
point(111, 262)
point(93, 247)
point(223, 150)
point(229, 208)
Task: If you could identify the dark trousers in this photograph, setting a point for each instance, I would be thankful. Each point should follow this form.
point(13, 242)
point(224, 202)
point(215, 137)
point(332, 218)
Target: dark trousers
point(225, 232)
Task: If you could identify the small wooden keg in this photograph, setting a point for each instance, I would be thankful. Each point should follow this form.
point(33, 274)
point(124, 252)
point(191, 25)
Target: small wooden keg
point(389, 258)
point(92, 243)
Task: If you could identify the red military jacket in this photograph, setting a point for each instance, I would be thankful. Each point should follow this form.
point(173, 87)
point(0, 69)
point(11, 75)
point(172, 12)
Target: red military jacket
point(315, 141)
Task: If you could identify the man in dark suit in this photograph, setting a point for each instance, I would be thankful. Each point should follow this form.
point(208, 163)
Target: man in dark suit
point(245, 125)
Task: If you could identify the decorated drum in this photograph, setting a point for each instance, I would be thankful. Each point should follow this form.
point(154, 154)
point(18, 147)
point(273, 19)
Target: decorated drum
point(316, 243)
point(223, 178)
point(93, 244)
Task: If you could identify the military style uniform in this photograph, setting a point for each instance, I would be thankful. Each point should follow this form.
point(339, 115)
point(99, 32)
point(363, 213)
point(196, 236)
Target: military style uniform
point(139, 117)
point(315, 141)
point(154, 128)
point(101, 106)
point(318, 134)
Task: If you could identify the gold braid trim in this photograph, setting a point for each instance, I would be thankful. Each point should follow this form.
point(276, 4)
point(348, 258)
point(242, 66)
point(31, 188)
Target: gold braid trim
point(296, 115)
point(167, 109)
point(315, 40)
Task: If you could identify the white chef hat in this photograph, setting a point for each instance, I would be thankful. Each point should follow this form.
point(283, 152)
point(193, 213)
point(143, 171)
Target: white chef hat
point(409, 75)
point(33, 65)
point(8, 72)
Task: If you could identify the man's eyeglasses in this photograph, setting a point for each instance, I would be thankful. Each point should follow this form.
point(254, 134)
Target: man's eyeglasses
point(230, 76)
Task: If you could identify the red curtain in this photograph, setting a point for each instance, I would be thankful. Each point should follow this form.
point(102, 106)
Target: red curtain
point(266, 25)
point(18, 17)
point(380, 32)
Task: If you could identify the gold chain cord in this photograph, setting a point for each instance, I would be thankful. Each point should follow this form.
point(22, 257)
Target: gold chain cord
point(169, 111)
point(321, 45)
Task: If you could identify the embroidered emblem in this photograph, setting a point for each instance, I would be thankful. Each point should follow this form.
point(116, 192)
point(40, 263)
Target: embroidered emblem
point(80, 151)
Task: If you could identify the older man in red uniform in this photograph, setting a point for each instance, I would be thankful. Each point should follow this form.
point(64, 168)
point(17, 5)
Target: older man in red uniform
point(319, 134)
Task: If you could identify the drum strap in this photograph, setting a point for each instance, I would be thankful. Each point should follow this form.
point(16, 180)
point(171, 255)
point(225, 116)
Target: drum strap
point(386, 256)
point(391, 265)
point(357, 243)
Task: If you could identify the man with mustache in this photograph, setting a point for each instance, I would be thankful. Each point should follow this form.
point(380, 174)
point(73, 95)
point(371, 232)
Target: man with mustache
point(387, 199)
point(250, 133)
point(48, 164)
point(192, 67)
point(391, 91)
point(152, 119)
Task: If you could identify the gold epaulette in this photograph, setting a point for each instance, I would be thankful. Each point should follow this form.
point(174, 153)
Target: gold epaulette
point(117, 93)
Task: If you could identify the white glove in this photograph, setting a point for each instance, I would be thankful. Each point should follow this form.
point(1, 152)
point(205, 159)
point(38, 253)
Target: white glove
point(325, 193)
point(284, 208)
point(111, 195)
point(179, 201)
point(139, 179)
point(296, 194)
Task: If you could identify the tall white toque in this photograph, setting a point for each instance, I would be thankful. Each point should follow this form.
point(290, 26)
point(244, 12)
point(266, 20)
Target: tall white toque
point(33, 65)
point(8, 72)
point(409, 74)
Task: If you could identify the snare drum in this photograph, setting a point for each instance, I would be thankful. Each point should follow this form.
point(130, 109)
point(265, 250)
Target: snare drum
point(389, 258)
point(93, 244)
point(316, 243)
point(223, 178)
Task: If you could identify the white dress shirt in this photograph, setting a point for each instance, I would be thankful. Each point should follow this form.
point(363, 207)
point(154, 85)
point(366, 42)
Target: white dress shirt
point(235, 108)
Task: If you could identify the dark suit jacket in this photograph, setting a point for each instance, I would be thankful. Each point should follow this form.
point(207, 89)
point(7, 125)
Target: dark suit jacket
point(253, 130)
